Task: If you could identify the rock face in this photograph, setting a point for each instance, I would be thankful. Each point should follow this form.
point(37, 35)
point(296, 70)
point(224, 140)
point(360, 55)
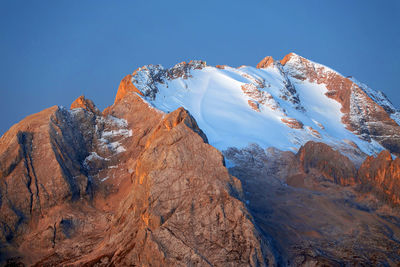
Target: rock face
point(182, 208)
point(315, 101)
point(330, 163)
point(40, 168)
point(364, 113)
point(158, 195)
point(265, 63)
point(382, 176)
point(298, 202)
point(82, 102)
point(126, 87)
point(292, 123)
point(143, 80)
point(135, 185)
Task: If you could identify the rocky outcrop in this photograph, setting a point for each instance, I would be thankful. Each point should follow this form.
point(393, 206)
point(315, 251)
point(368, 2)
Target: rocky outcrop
point(265, 63)
point(126, 86)
point(378, 175)
point(41, 166)
point(183, 207)
point(314, 163)
point(258, 98)
point(331, 164)
point(381, 175)
point(362, 114)
point(87, 104)
point(144, 80)
point(311, 220)
point(98, 192)
point(136, 186)
point(292, 123)
point(256, 91)
point(314, 132)
point(182, 70)
point(288, 92)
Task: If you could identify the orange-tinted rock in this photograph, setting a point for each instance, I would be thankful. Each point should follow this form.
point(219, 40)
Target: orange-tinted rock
point(126, 86)
point(361, 114)
point(265, 63)
point(351, 143)
point(313, 131)
point(179, 179)
point(221, 67)
point(167, 189)
point(319, 124)
point(254, 105)
point(166, 199)
point(381, 175)
point(41, 168)
point(288, 92)
point(87, 104)
point(197, 64)
point(259, 97)
point(286, 58)
point(330, 163)
point(292, 123)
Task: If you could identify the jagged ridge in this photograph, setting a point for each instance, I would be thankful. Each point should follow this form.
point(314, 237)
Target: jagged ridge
point(294, 93)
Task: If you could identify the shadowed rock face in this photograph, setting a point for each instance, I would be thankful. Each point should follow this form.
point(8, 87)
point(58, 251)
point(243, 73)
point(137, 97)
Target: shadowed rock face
point(310, 219)
point(147, 76)
point(135, 186)
point(183, 208)
point(82, 102)
point(40, 167)
point(168, 199)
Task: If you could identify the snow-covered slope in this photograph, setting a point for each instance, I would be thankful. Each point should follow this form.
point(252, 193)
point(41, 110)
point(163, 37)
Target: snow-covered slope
point(271, 106)
point(381, 99)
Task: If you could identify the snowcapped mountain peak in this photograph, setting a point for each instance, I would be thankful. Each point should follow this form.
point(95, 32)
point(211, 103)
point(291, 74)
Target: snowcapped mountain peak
point(291, 56)
point(146, 78)
point(266, 62)
point(279, 103)
point(302, 68)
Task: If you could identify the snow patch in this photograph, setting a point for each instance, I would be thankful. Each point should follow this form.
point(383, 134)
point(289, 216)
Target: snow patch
point(113, 167)
point(92, 156)
point(119, 132)
point(122, 123)
point(111, 138)
point(104, 179)
point(114, 146)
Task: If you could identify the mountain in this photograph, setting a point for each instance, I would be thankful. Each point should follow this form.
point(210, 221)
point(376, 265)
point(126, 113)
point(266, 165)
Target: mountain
point(288, 163)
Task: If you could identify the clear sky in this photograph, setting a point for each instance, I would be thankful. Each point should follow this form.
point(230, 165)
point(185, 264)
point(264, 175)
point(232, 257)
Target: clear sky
point(53, 51)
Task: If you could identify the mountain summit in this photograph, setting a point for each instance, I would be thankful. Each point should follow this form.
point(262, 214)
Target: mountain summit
point(282, 104)
point(288, 163)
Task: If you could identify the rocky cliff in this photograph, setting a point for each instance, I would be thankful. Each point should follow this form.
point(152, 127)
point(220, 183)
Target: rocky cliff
point(316, 208)
point(78, 188)
point(307, 175)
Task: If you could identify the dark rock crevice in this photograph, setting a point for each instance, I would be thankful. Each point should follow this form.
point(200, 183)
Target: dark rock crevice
point(305, 204)
point(70, 149)
point(25, 140)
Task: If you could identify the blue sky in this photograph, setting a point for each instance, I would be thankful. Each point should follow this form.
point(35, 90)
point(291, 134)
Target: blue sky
point(51, 52)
